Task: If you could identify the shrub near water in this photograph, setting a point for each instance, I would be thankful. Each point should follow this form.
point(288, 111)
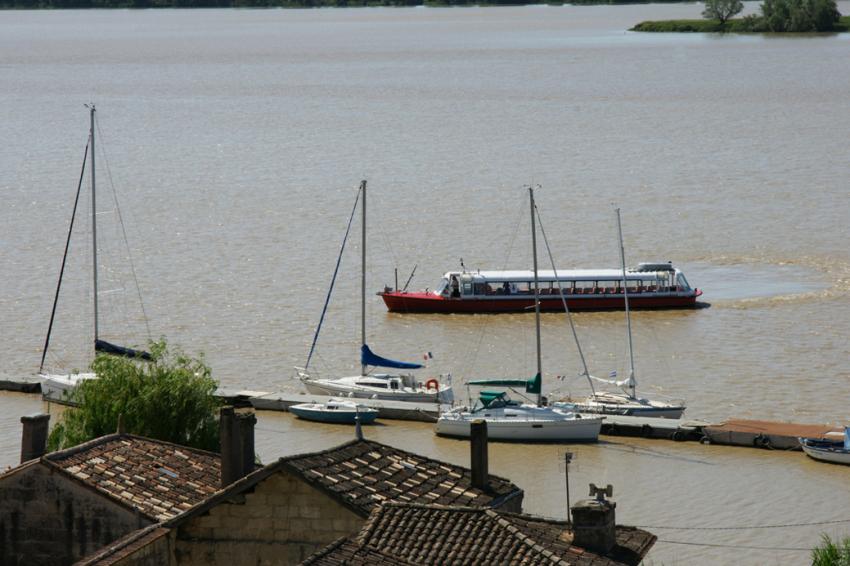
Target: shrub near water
point(170, 398)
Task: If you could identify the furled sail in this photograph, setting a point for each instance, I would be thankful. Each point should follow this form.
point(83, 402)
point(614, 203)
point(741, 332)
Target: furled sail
point(369, 358)
point(532, 385)
point(106, 348)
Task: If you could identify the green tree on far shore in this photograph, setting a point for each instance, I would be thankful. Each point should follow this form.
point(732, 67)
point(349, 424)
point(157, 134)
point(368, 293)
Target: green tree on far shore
point(170, 398)
point(722, 10)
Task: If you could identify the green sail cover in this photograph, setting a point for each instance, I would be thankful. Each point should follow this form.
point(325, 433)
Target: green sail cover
point(533, 385)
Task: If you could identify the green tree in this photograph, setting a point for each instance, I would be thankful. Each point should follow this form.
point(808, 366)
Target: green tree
point(722, 10)
point(170, 398)
point(831, 553)
point(799, 15)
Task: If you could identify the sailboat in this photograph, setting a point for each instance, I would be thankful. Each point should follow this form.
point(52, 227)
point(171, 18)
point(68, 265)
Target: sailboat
point(514, 421)
point(390, 386)
point(626, 402)
point(57, 386)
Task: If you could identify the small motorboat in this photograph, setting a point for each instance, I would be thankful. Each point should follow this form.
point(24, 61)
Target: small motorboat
point(827, 450)
point(334, 411)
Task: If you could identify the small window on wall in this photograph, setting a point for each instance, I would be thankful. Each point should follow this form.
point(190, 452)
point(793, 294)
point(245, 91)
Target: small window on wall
point(467, 288)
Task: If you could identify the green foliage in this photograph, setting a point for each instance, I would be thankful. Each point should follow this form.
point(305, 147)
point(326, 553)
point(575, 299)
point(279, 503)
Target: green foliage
point(831, 553)
point(170, 398)
point(818, 17)
point(721, 10)
point(799, 15)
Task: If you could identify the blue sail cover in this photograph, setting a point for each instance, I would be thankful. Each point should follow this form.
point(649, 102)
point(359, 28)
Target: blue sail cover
point(106, 348)
point(369, 358)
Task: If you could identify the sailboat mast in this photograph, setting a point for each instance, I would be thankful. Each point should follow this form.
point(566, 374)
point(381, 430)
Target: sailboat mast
point(363, 276)
point(626, 300)
point(93, 224)
point(536, 291)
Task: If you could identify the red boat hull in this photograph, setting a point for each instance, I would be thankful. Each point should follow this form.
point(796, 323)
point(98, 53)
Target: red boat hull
point(403, 302)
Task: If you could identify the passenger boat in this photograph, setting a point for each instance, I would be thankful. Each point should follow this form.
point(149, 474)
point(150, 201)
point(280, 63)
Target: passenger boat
point(833, 451)
point(649, 285)
point(521, 422)
point(59, 387)
point(334, 411)
point(398, 387)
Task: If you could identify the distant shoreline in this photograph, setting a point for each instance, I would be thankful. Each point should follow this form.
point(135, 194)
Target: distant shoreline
point(737, 25)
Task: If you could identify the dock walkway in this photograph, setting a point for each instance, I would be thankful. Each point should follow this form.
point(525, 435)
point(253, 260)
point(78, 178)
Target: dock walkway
point(768, 435)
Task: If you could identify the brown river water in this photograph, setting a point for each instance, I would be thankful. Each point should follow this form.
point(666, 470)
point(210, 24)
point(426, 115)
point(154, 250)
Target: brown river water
point(235, 140)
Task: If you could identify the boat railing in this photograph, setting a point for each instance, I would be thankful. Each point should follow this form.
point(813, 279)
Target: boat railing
point(305, 374)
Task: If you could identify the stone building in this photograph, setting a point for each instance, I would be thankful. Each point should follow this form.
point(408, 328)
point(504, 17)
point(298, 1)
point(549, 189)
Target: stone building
point(289, 509)
point(128, 500)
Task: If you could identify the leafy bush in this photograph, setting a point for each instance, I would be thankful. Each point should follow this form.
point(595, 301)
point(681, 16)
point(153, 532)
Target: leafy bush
point(831, 553)
point(170, 398)
point(799, 15)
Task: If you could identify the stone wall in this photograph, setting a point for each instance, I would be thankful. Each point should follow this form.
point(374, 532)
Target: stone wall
point(282, 521)
point(48, 518)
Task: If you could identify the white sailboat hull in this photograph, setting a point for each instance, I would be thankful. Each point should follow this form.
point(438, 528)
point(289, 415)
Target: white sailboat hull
point(58, 387)
point(339, 388)
point(625, 405)
point(576, 429)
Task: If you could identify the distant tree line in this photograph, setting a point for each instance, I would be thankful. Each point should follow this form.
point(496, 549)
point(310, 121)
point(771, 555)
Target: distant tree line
point(777, 16)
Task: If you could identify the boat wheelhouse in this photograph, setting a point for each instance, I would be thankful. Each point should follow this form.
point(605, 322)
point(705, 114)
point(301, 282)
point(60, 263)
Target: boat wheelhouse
point(650, 286)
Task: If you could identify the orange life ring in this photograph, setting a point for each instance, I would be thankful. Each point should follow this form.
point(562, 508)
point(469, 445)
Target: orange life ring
point(432, 382)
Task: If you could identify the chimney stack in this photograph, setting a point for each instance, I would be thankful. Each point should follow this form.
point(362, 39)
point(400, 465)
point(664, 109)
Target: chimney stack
point(236, 435)
point(593, 521)
point(34, 436)
point(478, 446)
point(246, 430)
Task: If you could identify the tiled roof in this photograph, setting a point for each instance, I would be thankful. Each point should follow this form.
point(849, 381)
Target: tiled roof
point(158, 478)
point(434, 534)
point(364, 474)
point(348, 553)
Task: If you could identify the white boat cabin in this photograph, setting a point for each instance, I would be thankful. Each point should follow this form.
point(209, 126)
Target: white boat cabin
point(645, 278)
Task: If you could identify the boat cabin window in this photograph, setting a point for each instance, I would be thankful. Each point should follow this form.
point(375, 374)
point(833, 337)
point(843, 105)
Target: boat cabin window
point(443, 287)
point(372, 384)
point(394, 384)
point(683, 282)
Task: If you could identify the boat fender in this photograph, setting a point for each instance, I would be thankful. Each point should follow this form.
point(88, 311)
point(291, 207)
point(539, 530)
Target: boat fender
point(646, 431)
point(679, 435)
point(705, 440)
point(432, 384)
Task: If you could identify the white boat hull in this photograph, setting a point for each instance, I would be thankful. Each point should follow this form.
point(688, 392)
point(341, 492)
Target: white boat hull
point(337, 389)
point(835, 456)
point(567, 430)
point(59, 387)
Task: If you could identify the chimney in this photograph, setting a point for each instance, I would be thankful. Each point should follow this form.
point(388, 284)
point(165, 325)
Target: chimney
point(478, 455)
point(236, 435)
point(593, 521)
point(246, 430)
point(34, 436)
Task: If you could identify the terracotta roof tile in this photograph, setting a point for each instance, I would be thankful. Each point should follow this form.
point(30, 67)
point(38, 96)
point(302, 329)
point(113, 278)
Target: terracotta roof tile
point(132, 469)
point(434, 534)
point(365, 473)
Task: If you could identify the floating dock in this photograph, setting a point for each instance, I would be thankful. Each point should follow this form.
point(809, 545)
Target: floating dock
point(27, 384)
point(768, 435)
